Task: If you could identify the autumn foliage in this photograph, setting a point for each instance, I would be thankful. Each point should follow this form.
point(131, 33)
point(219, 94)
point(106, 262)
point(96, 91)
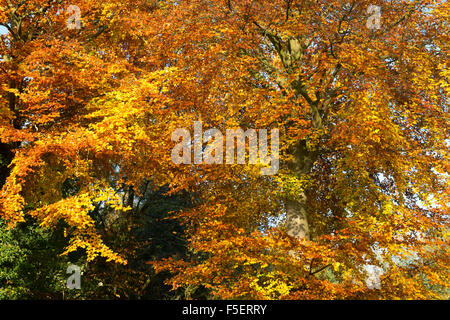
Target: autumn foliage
point(362, 114)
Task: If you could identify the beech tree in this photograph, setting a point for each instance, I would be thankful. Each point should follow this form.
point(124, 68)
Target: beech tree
point(359, 94)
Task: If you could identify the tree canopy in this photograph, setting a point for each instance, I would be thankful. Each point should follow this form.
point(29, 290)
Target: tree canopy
point(88, 112)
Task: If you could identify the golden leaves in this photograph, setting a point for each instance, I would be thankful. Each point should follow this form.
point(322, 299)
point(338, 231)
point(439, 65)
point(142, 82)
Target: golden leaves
point(98, 107)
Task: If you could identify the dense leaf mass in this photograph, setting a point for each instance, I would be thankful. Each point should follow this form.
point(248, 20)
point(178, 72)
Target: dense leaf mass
point(87, 115)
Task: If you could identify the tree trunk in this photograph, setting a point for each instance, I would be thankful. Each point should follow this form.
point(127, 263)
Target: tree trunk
point(7, 150)
point(6, 156)
point(296, 209)
point(296, 219)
